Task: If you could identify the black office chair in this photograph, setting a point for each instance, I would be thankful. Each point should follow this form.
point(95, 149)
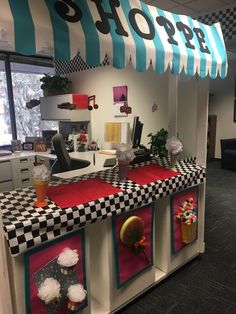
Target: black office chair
point(64, 161)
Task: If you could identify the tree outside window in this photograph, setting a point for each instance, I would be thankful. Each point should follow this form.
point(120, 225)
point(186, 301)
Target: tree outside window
point(26, 86)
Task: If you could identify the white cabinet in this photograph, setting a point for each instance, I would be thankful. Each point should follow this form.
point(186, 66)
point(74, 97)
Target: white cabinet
point(22, 171)
point(50, 111)
point(5, 176)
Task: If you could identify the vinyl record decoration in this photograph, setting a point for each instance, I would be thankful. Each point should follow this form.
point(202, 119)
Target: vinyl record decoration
point(132, 235)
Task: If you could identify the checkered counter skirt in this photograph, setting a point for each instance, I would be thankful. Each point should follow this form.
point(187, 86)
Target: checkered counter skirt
point(26, 227)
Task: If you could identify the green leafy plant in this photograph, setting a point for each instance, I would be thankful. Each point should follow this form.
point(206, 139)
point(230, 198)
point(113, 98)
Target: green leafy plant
point(55, 85)
point(158, 142)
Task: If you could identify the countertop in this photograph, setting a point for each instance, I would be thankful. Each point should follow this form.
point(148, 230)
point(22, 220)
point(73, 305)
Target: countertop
point(26, 226)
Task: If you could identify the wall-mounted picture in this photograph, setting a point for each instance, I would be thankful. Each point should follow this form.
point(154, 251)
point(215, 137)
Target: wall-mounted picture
point(120, 94)
point(28, 146)
point(120, 101)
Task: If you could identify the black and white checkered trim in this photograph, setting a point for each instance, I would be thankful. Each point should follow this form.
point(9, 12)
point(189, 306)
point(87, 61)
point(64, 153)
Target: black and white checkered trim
point(26, 226)
point(75, 65)
point(227, 19)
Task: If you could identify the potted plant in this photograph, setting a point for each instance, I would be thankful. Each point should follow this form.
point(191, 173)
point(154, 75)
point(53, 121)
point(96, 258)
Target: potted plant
point(55, 85)
point(158, 142)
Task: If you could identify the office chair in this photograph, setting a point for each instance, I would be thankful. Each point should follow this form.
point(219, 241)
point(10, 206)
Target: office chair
point(64, 161)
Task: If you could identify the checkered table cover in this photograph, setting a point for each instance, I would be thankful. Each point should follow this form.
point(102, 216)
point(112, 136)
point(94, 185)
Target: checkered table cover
point(26, 227)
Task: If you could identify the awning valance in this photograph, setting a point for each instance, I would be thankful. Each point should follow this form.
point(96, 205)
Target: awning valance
point(124, 30)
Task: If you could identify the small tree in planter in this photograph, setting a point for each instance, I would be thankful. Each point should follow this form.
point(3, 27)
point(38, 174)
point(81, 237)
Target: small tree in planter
point(158, 142)
point(55, 85)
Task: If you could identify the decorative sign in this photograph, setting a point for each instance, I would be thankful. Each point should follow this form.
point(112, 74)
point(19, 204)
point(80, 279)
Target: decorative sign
point(64, 7)
point(122, 30)
point(43, 265)
point(120, 101)
point(132, 238)
point(177, 201)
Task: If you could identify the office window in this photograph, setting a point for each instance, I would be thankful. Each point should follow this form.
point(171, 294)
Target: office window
point(26, 86)
point(19, 83)
point(5, 123)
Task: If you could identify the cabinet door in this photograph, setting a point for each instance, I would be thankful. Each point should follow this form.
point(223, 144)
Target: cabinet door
point(6, 186)
point(22, 171)
point(5, 176)
point(5, 171)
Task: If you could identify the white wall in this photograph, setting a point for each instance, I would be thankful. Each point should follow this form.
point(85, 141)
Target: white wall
point(222, 105)
point(187, 112)
point(143, 90)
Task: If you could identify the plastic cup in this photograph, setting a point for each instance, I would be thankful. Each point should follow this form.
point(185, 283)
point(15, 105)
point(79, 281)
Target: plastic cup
point(41, 191)
point(123, 166)
point(173, 160)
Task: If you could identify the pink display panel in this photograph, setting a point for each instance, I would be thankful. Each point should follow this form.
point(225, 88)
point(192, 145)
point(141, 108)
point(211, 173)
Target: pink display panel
point(176, 202)
point(41, 263)
point(128, 262)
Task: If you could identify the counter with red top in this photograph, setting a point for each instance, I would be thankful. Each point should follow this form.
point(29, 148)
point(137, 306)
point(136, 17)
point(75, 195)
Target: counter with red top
point(87, 203)
point(77, 202)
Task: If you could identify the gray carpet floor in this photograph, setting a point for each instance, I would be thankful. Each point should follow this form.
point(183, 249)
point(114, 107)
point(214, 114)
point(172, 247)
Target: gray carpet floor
point(208, 283)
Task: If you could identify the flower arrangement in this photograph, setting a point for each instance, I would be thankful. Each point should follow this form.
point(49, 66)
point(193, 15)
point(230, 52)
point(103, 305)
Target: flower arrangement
point(188, 218)
point(174, 147)
point(188, 212)
point(82, 139)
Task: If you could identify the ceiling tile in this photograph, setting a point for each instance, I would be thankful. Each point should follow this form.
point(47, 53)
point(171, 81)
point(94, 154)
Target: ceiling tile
point(162, 4)
point(203, 5)
point(191, 7)
point(183, 1)
point(182, 10)
point(228, 2)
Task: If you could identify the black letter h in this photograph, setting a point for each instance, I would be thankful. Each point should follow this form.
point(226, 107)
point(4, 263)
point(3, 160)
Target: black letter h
point(103, 25)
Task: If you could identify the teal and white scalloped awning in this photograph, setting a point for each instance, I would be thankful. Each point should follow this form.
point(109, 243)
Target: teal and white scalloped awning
point(124, 30)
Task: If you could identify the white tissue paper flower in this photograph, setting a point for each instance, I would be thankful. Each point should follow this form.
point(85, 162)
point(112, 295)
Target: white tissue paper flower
point(49, 290)
point(41, 173)
point(68, 258)
point(174, 146)
point(125, 152)
point(76, 293)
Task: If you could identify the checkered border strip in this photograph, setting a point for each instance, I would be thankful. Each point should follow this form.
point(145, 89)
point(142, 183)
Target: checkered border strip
point(26, 226)
point(75, 65)
point(227, 19)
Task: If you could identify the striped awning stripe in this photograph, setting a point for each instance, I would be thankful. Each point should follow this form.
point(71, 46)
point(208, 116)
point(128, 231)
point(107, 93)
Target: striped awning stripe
point(124, 30)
